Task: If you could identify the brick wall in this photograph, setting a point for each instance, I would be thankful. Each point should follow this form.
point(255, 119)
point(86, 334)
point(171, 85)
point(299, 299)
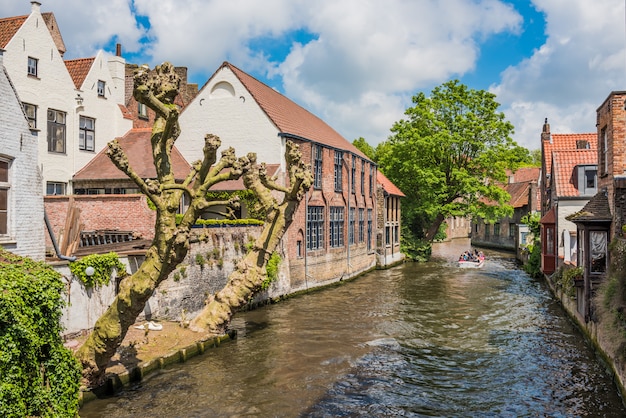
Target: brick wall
point(123, 212)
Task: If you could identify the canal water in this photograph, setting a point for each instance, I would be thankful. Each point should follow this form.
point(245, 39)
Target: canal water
point(418, 340)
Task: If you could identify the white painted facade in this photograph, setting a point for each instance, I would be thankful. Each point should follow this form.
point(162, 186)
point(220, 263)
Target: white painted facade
point(18, 151)
point(52, 88)
point(225, 108)
point(567, 246)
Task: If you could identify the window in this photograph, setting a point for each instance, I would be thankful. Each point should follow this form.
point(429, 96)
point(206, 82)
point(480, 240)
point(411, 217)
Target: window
point(101, 88)
point(363, 177)
point(87, 134)
point(315, 228)
point(496, 230)
point(336, 226)
point(353, 175)
point(587, 180)
point(317, 166)
point(597, 251)
point(371, 180)
point(512, 230)
point(33, 63)
point(142, 110)
point(550, 240)
point(5, 188)
point(387, 235)
point(487, 230)
point(55, 188)
point(56, 131)
point(396, 234)
point(338, 177)
point(361, 224)
point(369, 229)
point(351, 234)
point(31, 115)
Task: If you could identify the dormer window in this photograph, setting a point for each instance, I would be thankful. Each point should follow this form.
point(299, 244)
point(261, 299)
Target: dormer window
point(33, 63)
point(101, 87)
point(587, 176)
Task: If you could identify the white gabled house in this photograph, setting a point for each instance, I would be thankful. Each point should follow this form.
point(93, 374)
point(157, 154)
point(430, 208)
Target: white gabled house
point(73, 105)
point(21, 198)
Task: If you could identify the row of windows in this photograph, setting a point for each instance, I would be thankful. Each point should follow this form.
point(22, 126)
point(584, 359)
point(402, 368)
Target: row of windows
point(496, 230)
point(315, 227)
point(56, 123)
point(32, 69)
point(338, 172)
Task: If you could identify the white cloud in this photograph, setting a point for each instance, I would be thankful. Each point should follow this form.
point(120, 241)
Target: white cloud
point(569, 77)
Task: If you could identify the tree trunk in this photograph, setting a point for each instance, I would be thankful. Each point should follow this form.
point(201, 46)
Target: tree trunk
point(434, 227)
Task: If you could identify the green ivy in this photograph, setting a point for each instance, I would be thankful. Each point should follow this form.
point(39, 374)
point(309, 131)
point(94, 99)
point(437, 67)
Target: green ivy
point(38, 375)
point(103, 265)
point(271, 270)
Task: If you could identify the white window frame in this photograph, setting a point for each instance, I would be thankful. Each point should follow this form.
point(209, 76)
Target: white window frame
point(5, 188)
point(101, 88)
point(33, 67)
point(30, 110)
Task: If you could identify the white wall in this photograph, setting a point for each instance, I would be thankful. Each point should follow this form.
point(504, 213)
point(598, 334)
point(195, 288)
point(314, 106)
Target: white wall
point(230, 112)
point(53, 88)
point(25, 207)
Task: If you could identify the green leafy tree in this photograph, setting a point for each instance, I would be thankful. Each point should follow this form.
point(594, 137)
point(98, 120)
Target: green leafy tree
point(365, 147)
point(38, 375)
point(449, 157)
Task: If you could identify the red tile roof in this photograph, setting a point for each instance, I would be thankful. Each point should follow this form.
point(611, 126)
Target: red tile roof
point(78, 69)
point(564, 163)
point(520, 186)
point(8, 27)
point(290, 118)
point(136, 144)
point(561, 142)
point(526, 174)
point(387, 185)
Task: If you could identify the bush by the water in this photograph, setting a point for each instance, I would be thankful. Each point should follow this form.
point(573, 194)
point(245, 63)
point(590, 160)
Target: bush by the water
point(38, 375)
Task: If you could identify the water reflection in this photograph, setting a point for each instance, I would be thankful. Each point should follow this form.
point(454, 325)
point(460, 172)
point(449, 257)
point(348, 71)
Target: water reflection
point(417, 340)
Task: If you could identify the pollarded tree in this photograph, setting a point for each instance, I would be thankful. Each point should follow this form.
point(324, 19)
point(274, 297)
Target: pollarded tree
point(157, 89)
point(449, 157)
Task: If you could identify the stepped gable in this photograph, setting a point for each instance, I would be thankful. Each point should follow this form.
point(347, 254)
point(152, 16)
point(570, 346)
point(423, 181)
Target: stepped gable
point(136, 144)
point(291, 119)
point(78, 69)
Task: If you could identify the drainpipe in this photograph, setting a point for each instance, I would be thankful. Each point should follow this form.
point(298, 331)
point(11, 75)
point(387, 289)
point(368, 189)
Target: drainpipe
point(305, 249)
point(54, 240)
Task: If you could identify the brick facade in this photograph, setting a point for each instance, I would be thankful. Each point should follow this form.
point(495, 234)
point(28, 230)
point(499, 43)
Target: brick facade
point(100, 212)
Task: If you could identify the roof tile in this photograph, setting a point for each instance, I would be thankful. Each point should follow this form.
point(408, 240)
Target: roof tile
point(563, 169)
point(78, 69)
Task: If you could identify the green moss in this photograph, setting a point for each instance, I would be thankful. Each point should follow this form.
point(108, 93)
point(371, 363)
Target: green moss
point(271, 270)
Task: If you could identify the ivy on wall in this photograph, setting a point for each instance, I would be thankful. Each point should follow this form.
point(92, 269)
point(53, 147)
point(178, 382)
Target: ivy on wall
point(102, 265)
point(38, 375)
point(271, 270)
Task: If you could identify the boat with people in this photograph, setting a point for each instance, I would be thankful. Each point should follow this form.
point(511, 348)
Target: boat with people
point(472, 259)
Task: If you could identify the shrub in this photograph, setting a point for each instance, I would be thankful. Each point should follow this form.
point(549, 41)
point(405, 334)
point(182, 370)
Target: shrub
point(38, 375)
point(102, 264)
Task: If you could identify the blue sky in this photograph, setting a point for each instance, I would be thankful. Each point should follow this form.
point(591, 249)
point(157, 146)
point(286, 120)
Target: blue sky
point(357, 63)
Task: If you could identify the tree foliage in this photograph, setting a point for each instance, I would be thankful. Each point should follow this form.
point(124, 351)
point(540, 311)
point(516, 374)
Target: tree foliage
point(38, 375)
point(450, 156)
point(365, 147)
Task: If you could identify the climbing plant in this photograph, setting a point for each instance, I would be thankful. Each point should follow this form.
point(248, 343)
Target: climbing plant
point(38, 375)
point(271, 270)
point(102, 265)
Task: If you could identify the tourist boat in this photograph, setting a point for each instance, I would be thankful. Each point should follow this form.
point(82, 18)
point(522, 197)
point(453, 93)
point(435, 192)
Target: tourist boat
point(471, 264)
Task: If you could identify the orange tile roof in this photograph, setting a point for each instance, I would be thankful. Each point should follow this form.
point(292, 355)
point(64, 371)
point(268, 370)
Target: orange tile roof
point(387, 185)
point(519, 188)
point(290, 118)
point(9, 27)
point(561, 142)
point(526, 174)
point(564, 163)
point(136, 144)
point(78, 69)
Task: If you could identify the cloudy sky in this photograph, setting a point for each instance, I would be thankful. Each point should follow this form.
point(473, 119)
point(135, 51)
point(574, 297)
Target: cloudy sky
point(357, 63)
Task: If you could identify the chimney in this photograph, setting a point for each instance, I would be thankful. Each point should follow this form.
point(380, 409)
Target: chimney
point(117, 68)
point(35, 7)
point(545, 134)
point(118, 50)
